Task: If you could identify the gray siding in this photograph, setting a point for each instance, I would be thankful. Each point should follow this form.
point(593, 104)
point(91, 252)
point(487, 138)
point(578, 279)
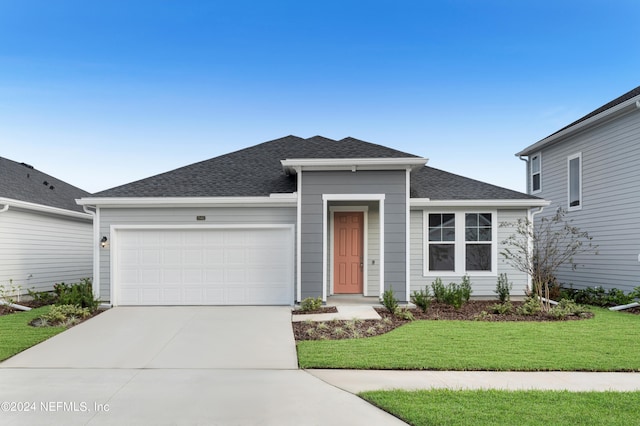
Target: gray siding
point(390, 183)
point(39, 250)
point(182, 216)
point(610, 198)
point(483, 286)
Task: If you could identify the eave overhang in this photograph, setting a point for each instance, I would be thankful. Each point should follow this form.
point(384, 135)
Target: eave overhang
point(295, 165)
point(274, 200)
point(503, 204)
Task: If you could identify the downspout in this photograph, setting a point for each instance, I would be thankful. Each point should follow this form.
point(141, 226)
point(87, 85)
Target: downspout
point(96, 252)
point(526, 160)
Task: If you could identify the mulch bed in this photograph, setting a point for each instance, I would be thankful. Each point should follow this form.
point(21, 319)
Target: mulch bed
point(471, 311)
point(322, 310)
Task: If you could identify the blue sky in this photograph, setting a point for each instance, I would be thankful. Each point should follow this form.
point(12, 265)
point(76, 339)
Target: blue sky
point(102, 93)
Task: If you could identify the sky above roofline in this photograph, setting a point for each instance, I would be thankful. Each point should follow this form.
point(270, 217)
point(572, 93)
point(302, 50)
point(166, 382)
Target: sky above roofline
point(103, 94)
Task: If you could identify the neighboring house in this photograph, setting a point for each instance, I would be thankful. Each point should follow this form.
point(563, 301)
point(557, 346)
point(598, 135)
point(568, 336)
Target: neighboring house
point(45, 237)
point(295, 218)
point(591, 168)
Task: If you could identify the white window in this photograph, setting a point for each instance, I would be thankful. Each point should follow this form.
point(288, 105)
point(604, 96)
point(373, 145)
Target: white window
point(574, 190)
point(458, 242)
point(536, 175)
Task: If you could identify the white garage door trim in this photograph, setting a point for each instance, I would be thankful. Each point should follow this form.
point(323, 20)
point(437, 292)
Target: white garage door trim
point(116, 230)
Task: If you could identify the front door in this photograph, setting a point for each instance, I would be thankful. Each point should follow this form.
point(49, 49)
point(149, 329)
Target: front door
point(348, 252)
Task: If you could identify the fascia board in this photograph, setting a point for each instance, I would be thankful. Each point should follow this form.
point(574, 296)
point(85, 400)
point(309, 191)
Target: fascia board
point(277, 200)
point(353, 164)
point(43, 209)
point(514, 204)
point(628, 105)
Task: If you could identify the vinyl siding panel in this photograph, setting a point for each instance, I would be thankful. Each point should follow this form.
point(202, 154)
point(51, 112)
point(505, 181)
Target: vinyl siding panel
point(39, 250)
point(610, 201)
point(483, 286)
point(390, 183)
point(182, 216)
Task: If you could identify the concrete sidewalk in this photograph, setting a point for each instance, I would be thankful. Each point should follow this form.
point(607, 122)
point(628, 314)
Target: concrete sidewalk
point(356, 381)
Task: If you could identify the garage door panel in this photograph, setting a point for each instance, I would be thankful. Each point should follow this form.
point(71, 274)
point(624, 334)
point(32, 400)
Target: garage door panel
point(204, 266)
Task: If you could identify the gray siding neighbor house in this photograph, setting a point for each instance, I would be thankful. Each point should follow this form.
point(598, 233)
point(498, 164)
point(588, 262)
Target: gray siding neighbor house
point(45, 236)
point(591, 168)
point(293, 218)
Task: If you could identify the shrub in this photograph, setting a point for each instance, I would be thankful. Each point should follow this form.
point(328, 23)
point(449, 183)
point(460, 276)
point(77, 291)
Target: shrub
point(404, 314)
point(311, 304)
point(64, 315)
point(598, 296)
point(453, 294)
point(42, 298)
point(565, 308)
point(531, 306)
point(439, 290)
point(422, 299)
point(389, 301)
point(482, 316)
point(503, 288)
point(465, 288)
point(502, 308)
point(79, 294)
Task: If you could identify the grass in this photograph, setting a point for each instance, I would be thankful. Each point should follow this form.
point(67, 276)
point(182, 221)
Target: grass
point(17, 335)
point(493, 407)
point(607, 342)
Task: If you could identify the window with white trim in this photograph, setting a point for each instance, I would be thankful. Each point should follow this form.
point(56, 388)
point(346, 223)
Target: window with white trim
point(459, 242)
point(536, 174)
point(574, 190)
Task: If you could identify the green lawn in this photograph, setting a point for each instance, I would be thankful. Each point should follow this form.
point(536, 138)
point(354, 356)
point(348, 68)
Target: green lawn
point(17, 335)
point(608, 342)
point(491, 407)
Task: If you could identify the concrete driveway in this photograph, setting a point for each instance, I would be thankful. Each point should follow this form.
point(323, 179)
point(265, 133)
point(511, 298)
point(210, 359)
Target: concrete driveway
point(175, 365)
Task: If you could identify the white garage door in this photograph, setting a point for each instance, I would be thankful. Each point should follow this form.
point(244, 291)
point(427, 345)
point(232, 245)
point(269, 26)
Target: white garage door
point(245, 266)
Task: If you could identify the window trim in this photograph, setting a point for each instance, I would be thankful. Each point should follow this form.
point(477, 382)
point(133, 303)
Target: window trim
point(539, 173)
point(460, 243)
point(577, 155)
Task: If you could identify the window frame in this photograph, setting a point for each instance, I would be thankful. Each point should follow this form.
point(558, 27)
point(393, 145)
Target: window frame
point(460, 243)
point(577, 156)
point(537, 155)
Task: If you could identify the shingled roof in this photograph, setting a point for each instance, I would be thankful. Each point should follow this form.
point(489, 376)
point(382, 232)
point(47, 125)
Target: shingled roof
point(257, 171)
point(22, 182)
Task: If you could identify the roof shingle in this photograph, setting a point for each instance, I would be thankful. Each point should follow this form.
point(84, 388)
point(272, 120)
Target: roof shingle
point(20, 181)
point(257, 171)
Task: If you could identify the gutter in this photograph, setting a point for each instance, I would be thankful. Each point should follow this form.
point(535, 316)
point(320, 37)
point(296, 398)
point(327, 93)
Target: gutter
point(41, 208)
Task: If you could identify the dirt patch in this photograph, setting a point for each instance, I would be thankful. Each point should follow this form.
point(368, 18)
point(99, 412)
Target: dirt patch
point(322, 310)
point(472, 311)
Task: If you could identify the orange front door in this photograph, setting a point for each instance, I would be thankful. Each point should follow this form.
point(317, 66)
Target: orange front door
point(348, 257)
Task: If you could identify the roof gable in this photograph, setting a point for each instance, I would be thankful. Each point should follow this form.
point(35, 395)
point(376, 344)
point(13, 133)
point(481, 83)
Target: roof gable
point(22, 182)
point(257, 171)
point(253, 171)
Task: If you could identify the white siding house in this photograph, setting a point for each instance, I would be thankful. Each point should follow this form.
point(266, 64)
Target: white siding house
point(591, 168)
point(45, 238)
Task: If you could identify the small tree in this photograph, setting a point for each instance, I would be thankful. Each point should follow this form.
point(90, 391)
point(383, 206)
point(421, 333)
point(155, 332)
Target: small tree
point(541, 249)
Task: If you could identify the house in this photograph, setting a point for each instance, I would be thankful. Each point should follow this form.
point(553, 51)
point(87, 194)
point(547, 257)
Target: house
point(45, 237)
point(295, 218)
point(591, 169)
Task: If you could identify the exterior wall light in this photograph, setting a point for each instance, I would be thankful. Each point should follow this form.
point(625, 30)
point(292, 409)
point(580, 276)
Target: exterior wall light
point(103, 242)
